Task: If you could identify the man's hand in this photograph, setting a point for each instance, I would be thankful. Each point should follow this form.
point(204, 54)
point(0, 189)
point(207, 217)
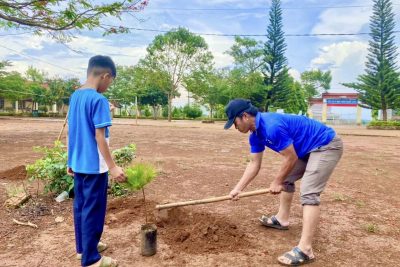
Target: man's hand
point(117, 173)
point(70, 172)
point(234, 194)
point(275, 187)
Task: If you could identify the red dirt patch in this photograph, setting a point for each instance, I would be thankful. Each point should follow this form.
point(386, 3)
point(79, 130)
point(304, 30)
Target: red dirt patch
point(182, 231)
point(198, 233)
point(16, 173)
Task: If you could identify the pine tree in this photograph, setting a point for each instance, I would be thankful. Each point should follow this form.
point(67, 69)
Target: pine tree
point(275, 69)
point(379, 87)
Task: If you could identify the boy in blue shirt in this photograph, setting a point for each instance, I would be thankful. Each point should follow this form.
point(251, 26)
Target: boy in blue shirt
point(311, 151)
point(90, 160)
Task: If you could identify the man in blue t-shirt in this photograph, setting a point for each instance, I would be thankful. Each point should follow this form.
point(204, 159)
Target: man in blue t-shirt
point(90, 160)
point(310, 150)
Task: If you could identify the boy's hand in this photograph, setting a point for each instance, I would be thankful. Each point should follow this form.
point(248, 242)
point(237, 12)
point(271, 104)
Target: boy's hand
point(117, 173)
point(70, 172)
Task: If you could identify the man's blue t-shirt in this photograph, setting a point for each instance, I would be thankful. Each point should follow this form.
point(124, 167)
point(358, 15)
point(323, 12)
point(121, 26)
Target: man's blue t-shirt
point(278, 131)
point(88, 110)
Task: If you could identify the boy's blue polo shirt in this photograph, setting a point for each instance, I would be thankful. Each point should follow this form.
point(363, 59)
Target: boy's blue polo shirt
point(278, 131)
point(88, 110)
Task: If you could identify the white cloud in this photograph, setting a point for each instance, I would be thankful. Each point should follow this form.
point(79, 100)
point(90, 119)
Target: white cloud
point(218, 45)
point(295, 74)
point(337, 20)
point(346, 60)
point(234, 3)
point(57, 60)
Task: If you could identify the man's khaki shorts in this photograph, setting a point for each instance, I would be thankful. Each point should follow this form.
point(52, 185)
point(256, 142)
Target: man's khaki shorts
point(315, 171)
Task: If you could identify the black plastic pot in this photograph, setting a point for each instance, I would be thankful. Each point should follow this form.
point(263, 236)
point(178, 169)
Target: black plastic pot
point(148, 239)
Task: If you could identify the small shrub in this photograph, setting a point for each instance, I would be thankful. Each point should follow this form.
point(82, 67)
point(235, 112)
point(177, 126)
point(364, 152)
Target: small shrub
point(177, 113)
point(387, 125)
point(371, 228)
point(43, 109)
point(165, 111)
point(52, 169)
point(193, 111)
point(118, 189)
point(124, 156)
point(360, 204)
point(147, 112)
point(339, 197)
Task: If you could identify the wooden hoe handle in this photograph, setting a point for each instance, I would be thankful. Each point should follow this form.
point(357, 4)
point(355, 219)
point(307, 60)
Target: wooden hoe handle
point(210, 200)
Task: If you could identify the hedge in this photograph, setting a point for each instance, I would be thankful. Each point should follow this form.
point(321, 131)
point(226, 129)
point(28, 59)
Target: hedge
point(384, 125)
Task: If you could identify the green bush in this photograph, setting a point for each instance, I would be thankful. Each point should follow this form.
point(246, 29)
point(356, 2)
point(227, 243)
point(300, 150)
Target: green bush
point(43, 109)
point(193, 111)
point(146, 111)
point(124, 156)
point(219, 112)
point(177, 112)
point(385, 125)
point(165, 111)
point(52, 169)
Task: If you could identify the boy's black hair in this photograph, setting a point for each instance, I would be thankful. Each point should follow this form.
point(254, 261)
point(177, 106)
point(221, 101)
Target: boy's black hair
point(100, 64)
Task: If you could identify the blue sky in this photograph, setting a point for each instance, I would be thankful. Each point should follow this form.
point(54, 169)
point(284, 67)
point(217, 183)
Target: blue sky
point(343, 55)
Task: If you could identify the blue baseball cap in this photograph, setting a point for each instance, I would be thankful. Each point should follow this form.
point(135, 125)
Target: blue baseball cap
point(235, 108)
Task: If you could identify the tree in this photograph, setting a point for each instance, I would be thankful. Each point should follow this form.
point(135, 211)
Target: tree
point(379, 87)
point(275, 68)
point(155, 97)
point(296, 102)
point(36, 75)
point(37, 81)
point(124, 89)
point(176, 54)
point(58, 91)
point(3, 65)
point(247, 53)
point(248, 86)
point(14, 87)
point(316, 82)
point(208, 87)
point(58, 17)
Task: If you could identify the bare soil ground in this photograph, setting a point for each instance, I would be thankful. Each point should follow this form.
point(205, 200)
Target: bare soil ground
point(360, 219)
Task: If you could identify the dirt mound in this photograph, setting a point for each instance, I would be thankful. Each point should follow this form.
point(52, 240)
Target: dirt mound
point(197, 233)
point(182, 230)
point(16, 173)
point(124, 210)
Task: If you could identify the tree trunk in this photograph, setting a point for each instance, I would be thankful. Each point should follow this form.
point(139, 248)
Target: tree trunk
point(155, 111)
point(384, 114)
point(144, 200)
point(61, 111)
point(169, 106)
